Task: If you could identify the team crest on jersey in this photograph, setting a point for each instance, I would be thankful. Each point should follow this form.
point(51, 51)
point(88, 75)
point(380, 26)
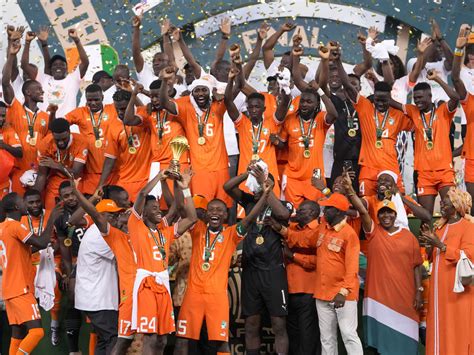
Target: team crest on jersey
point(43, 123)
point(106, 117)
point(223, 324)
point(265, 131)
point(220, 238)
point(391, 121)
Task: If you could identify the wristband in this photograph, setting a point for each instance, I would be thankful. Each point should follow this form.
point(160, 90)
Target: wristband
point(326, 191)
point(459, 52)
point(186, 193)
point(321, 92)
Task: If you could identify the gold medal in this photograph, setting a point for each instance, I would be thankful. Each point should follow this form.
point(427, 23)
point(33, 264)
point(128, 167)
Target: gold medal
point(68, 242)
point(201, 140)
point(255, 157)
point(98, 143)
point(307, 153)
point(378, 144)
point(352, 132)
point(32, 141)
point(206, 266)
point(132, 150)
point(429, 145)
point(259, 240)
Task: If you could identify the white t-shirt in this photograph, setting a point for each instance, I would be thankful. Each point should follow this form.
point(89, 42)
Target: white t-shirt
point(96, 274)
point(436, 90)
point(467, 77)
point(60, 92)
point(108, 96)
point(17, 85)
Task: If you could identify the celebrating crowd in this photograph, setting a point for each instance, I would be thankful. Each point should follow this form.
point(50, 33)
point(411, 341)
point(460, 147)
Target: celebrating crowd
point(189, 173)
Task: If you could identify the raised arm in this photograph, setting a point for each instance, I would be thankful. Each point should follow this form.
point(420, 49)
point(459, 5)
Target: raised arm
point(8, 92)
point(225, 28)
point(261, 35)
point(27, 68)
point(418, 211)
point(350, 90)
point(166, 75)
point(257, 209)
point(323, 69)
point(461, 43)
point(232, 110)
point(231, 186)
point(268, 55)
point(167, 41)
point(357, 203)
point(129, 118)
point(99, 220)
point(41, 241)
point(361, 68)
point(420, 59)
point(84, 59)
point(331, 112)
point(190, 215)
point(448, 54)
point(77, 218)
point(141, 197)
point(138, 60)
point(187, 54)
point(283, 106)
point(452, 94)
point(298, 80)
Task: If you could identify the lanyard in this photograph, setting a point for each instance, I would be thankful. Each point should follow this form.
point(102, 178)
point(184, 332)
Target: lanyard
point(350, 116)
point(306, 136)
point(160, 122)
point(428, 128)
point(58, 157)
point(201, 124)
point(381, 127)
point(266, 213)
point(96, 125)
point(31, 121)
point(30, 224)
point(129, 136)
point(256, 137)
point(160, 244)
point(208, 249)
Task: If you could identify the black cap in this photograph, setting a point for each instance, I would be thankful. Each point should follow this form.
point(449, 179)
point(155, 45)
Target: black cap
point(57, 57)
point(99, 75)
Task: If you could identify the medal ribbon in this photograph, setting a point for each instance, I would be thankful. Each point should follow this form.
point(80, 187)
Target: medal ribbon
point(428, 128)
point(306, 136)
point(261, 217)
point(31, 121)
point(256, 137)
point(58, 157)
point(96, 125)
point(161, 123)
point(350, 116)
point(381, 127)
point(129, 136)
point(30, 224)
point(208, 249)
point(160, 244)
point(201, 124)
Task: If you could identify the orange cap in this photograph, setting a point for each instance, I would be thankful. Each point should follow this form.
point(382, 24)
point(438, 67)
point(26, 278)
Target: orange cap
point(200, 202)
point(108, 206)
point(386, 204)
point(336, 200)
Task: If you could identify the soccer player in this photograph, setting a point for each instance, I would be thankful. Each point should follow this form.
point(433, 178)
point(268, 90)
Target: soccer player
point(433, 155)
point(264, 282)
point(60, 87)
point(16, 241)
point(129, 148)
point(206, 296)
point(152, 304)
point(58, 151)
point(28, 121)
point(380, 125)
point(94, 121)
point(202, 119)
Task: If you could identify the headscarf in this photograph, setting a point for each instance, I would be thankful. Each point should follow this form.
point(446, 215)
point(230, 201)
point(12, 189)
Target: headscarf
point(462, 202)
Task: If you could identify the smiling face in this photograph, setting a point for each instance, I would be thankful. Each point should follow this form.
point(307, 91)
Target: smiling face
point(216, 214)
point(422, 99)
point(152, 212)
point(202, 96)
point(34, 205)
point(34, 91)
point(58, 69)
point(335, 81)
point(386, 217)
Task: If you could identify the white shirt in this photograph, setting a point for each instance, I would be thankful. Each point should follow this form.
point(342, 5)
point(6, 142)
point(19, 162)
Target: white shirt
point(60, 92)
point(108, 96)
point(96, 274)
point(436, 90)
point(467, 77)
point(17, 85)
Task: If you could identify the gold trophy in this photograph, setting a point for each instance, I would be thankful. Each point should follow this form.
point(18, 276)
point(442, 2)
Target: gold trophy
point(179, 145)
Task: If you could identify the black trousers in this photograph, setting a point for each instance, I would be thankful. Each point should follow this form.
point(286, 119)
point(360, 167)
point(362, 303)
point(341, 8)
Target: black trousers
point(302, 325)
point(105, 324)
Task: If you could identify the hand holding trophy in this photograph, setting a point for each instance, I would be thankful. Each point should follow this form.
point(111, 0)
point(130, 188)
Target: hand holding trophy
point(179, 145)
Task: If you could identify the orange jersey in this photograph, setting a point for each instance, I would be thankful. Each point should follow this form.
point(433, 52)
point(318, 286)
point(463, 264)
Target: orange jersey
point(385, 157)
point(131, 167)
point(81, 117)
point(170, 127)
point(17, 117)
point(8, 136)
point(215, 280)
point(468, 107)
point(76, 151)
point(33, 224)
point(121, 246)
point(149, 252)
point(211, 156)
point(266, 150)
point(299, 167)
point(440, 157)
point(15, 256)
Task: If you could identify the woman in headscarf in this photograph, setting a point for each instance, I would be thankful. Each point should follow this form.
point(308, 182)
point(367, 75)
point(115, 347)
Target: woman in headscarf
point(450, 323)
point(393, 291)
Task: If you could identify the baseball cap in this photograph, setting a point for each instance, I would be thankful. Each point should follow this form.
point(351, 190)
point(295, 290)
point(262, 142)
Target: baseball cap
point(200, 202)
point(99, 75)
point(386, 204)
point(336, 200)
point(107, 205)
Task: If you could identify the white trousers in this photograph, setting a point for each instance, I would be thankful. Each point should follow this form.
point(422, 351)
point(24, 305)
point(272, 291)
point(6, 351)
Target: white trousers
point(346, 317)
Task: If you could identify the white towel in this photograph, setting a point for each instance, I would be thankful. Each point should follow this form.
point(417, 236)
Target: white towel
point(45, 279)
point(402, 218)
point(464, 268)
point(161, 278)
point(252, 182)
point(381, 50)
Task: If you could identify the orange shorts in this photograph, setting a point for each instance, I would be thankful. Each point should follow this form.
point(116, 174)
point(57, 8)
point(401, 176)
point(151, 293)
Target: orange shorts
point(368, 181)
point(197, 307)
point(125, 319)
point(155, 309)
point(469, 171)
point(89, 182)
point(296, 191)
point(210, 185)
point(430, 182)
point(133, 188)
point(22, 309)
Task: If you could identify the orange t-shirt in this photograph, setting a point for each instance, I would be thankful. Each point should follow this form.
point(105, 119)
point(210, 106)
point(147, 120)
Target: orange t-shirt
point(440, 157)
point(9, 136)
point(17, 118)
point(15, 256)
point(468, 107)
point(385, 157)
point(76, 151)
point(211, 156)
point(215, 280)
point(171, 128)
point(299, 167)
point(81, 117)
point(337, 262)
point(147, 251)
point(34, 228)
point(121, 246)
point(131, 167)
point(266, 150)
